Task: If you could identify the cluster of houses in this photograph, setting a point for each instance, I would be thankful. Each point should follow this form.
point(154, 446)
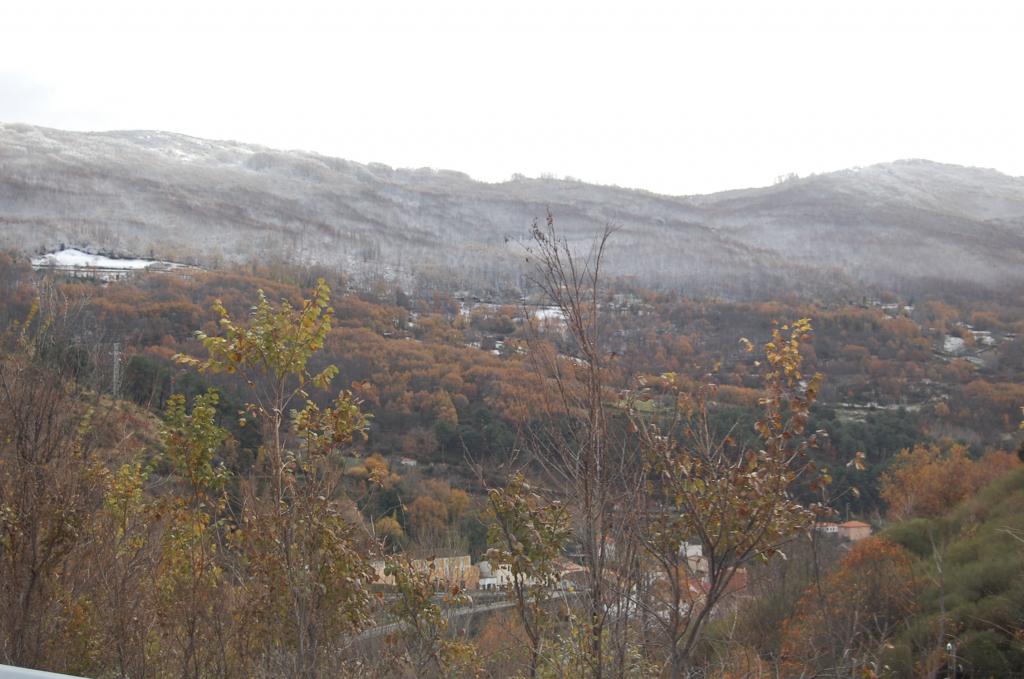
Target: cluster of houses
point(966, 342)
point(449, 571)
point(460, 571)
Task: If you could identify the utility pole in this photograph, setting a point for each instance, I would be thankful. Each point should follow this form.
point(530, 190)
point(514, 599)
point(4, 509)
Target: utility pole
point(116, 381)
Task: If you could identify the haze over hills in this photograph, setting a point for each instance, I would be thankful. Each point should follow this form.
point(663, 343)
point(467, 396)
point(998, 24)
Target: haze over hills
point(905, 225)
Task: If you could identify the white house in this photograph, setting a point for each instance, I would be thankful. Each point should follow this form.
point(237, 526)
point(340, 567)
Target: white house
point(491, 577)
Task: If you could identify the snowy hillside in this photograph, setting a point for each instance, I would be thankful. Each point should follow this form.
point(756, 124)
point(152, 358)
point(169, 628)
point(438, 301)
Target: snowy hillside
point(907, 223)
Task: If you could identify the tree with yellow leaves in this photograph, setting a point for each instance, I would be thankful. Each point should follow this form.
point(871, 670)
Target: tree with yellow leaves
point(736, 503)
point(308, 569)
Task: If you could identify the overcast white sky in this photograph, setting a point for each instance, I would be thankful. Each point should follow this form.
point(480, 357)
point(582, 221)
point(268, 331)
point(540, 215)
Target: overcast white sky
point(676, 97)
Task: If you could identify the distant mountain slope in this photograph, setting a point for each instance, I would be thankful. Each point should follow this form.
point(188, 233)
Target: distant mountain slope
point(178, 197)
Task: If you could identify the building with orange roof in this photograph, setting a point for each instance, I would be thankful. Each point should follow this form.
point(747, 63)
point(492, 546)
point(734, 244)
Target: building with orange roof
point(854, 530)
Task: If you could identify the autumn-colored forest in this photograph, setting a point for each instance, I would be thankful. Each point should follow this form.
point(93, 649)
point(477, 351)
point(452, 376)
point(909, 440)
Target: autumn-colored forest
point(231, 473)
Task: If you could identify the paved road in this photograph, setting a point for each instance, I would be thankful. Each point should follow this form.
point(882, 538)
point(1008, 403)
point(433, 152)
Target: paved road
point(451, 613)
point(10, 672)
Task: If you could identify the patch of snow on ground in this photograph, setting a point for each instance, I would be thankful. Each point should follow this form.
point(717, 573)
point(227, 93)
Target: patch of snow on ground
point(952, 345)
point(78, 259)
point(544, 313)
point(984, 337)
point(183, 156)
point(72, 258)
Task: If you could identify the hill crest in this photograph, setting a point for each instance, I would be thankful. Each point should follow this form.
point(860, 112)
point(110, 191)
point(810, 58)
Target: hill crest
point(906, 223)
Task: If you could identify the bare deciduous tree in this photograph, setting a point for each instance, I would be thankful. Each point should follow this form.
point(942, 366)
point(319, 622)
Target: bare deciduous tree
point(581, 450)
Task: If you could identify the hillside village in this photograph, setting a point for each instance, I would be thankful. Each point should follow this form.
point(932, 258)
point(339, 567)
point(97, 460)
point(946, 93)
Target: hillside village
point(459, 572)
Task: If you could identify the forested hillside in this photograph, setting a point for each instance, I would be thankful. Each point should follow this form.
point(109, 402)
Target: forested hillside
point(284, 470)
point(940, 587)
point(668, 341)
point(969, 569)
point(445, 377)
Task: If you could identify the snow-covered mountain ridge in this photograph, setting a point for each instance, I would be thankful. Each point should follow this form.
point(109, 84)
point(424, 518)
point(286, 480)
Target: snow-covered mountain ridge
point(171, 196)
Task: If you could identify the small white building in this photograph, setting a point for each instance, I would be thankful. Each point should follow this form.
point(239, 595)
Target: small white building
point(492, 577)
point(694, 553)
point(827, 527)
point(851, 530)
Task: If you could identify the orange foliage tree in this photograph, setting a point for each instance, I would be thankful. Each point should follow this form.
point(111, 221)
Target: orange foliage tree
point(927, 480)
point(842, 623)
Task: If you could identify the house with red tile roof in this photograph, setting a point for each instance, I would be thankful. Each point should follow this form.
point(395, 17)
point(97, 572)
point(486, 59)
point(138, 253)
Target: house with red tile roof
point(854, 530)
